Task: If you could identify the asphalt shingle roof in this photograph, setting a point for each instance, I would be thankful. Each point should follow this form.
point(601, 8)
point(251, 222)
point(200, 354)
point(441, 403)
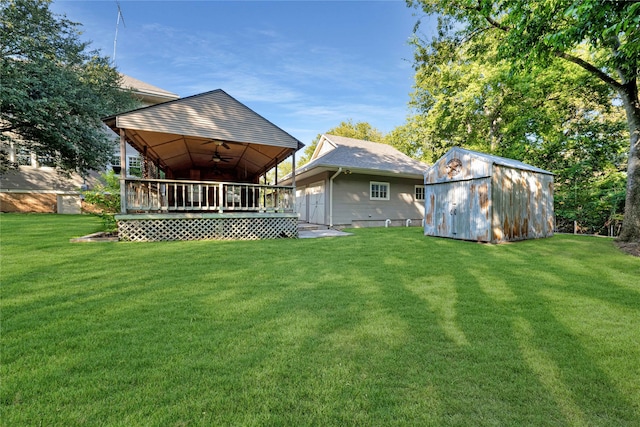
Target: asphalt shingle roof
point(358, 154)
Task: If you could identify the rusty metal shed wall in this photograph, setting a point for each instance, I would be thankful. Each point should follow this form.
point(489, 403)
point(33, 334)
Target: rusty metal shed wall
point(522, 205)
point(474, 196)
point(459, 209)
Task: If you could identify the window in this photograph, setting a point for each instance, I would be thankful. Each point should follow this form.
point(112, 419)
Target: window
point(23, 157)
point(419, 192)
point(135, 165)
point(378, 190)
point(46, 160)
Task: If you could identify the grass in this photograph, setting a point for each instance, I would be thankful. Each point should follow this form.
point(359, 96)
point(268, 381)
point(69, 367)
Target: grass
point(386, 327)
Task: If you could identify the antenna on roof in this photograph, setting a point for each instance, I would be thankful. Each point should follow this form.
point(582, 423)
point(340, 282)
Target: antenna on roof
point(115, 40)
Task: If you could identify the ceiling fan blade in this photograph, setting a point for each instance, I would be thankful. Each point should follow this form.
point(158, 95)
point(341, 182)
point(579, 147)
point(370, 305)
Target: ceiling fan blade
point(218, 143)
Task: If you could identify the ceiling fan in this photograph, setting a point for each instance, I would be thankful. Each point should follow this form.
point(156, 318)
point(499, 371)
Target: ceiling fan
point(218, 143)
point(217, 158)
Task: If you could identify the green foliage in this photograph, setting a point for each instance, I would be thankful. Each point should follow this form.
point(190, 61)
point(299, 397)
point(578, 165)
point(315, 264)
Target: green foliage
point(105, 199)
point(348, 129)
point(54, 91)
point(532, 81)
point(385, 327)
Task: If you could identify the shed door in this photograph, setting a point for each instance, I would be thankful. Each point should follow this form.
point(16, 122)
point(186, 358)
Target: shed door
point(316, 203)
point(462, 210)
point(301, 203)
point(451, 210)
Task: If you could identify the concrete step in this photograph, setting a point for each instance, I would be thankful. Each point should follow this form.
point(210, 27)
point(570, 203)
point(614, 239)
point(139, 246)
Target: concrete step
point(305, 226)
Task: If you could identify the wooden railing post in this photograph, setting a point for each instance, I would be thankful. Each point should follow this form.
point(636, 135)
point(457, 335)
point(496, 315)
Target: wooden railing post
point(123, 172)
point(220, 197)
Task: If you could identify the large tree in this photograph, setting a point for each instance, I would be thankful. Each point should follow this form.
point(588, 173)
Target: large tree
point(54, 90)
point(602, 38)
point(556, 117)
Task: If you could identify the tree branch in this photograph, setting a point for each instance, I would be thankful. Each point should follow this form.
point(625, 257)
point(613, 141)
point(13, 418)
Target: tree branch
point(489, 19)
point(590, 68)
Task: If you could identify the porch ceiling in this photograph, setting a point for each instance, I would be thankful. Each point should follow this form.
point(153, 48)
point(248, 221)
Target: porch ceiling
point(184, 152)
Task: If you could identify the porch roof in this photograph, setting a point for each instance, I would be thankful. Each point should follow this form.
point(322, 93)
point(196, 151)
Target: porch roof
point(190, 133)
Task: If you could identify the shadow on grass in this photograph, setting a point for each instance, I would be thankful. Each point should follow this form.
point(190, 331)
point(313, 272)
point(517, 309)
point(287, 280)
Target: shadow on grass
point(385, 327)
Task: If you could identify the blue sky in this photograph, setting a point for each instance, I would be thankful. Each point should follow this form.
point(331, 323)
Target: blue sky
point(304, 65)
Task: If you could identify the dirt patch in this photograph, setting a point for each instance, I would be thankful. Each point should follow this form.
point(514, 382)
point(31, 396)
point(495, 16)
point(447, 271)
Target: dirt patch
point(632, 248)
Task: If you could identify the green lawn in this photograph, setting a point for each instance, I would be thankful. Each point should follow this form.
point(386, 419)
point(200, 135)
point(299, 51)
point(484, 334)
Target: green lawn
point(386, 327)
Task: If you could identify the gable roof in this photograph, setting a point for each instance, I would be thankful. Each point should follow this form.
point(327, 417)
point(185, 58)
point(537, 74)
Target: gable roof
point(147, 92)
point(359, 156)
point(184, 133)
point(496, 160)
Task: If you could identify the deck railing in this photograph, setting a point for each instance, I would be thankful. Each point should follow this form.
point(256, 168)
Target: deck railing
point(163, 195)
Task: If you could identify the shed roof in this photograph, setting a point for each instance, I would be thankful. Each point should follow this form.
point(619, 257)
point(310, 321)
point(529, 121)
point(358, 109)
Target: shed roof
point(333, 152)
point(185, 133)
point(497, 160)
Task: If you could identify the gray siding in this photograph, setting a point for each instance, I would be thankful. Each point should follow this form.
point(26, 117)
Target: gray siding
point(352, 204)
point(353, 207)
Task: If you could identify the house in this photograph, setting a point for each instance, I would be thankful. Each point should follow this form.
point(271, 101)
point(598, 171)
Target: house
point(476, 196)
point(202, 160)
point(354, 183)
point(38, 187)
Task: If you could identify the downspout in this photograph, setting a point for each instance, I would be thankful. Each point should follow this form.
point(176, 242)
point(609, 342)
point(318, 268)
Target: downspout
point(331, 195)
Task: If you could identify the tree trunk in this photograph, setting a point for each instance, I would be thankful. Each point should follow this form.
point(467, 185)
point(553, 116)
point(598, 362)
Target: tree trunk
point(631, 223)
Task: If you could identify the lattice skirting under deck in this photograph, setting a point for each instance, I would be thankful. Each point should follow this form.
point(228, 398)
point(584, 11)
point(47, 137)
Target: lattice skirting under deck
point(204, 228)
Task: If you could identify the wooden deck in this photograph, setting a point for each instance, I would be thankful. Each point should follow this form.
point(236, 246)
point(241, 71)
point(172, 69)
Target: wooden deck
point(160, 209)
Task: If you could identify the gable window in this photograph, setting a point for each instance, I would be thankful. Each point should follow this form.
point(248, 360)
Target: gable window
point(419, 192)
point(378, 190)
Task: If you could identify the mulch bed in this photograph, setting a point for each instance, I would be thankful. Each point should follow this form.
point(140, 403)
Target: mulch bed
point(632, 248)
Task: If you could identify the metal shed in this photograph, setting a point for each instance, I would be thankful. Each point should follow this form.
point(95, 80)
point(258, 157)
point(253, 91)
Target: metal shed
point(481, 197)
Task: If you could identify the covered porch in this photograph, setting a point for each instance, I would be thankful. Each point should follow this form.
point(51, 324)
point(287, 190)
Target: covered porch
point(205, 160)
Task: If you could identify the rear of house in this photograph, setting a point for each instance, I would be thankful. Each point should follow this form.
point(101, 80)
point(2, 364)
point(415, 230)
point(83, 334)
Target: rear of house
point(355, 183)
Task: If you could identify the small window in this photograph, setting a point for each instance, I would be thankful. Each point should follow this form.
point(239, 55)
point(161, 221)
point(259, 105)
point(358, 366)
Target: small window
point(47, 160)
point(419, 192)
point(23, 157)
point(135, 165)
point(379, 190)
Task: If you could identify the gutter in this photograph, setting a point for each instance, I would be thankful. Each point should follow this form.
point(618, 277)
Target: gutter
point(331, 195)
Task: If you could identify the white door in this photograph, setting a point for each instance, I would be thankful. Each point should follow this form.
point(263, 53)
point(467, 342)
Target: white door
point(316, 203)
point(301, 203)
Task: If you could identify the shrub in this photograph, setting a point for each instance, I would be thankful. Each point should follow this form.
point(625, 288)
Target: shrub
point(105, 199)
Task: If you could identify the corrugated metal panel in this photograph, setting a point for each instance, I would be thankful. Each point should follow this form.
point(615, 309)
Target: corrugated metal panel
point(456, 165)
point(459, 209)
point(522, 205)
point(212, 115)
point(472, 196)
point(460, 164)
